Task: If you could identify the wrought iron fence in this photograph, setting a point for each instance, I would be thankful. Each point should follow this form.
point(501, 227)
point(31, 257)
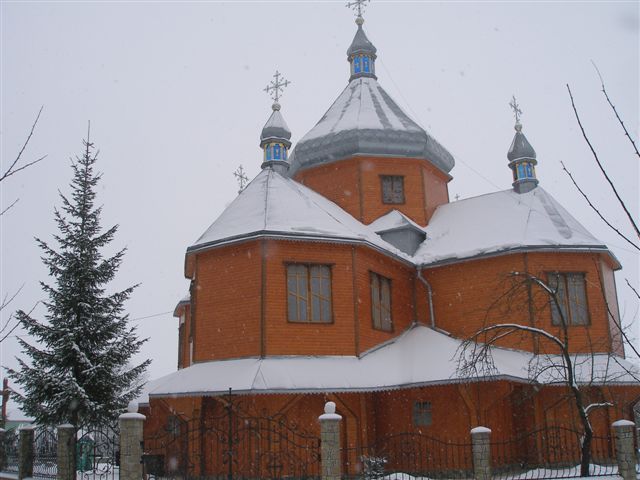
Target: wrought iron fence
point(551, 453)
point(409, 455)
point(230, 443)
point(98, 453)
point(45, 452)
point(11, 449)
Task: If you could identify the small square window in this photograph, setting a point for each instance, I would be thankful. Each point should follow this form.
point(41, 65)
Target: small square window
point(422, 414)
point(392, 189)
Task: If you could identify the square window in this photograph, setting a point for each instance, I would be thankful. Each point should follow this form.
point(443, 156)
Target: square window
point(422, 414)
point(309, 293)
point(571, 297)
point(381, 302)
point(392, 189)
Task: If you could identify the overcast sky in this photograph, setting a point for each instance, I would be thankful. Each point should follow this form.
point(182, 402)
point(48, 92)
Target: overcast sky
point(173, 91)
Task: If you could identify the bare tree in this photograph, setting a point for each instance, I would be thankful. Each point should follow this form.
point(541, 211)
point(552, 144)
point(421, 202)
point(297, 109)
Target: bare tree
point(561, 366)
point(16, 166)
point(621, 202)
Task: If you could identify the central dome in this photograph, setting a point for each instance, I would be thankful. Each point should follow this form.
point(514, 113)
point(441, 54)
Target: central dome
point(365, 120)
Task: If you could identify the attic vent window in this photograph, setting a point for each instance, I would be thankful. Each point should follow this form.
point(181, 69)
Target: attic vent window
point(392, 189)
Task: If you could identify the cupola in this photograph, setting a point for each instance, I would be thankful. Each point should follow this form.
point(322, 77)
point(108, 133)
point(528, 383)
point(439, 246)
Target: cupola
point(275, 139)
point(361, 54)
point(522, 157)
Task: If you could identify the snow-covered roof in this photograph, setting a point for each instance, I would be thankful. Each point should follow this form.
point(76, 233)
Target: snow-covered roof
point(500, 222)
point(275, 205)
point(419, 356)
point(276, 127)
point(365, 120)
point(393, 220)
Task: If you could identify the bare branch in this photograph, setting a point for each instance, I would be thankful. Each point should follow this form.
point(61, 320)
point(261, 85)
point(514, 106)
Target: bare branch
point(634, 290)
point(593, 207)
point(602, 170)
point(591, 406)
point(606, 95)
point(9, 207)
point(12, 168)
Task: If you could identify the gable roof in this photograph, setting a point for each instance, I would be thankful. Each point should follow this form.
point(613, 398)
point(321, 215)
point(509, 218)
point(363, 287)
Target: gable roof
point(491, 224)
point(279, 206)
point(501, 222)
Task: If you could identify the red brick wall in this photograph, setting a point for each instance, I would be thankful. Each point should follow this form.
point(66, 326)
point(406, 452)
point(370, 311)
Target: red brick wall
point(227, 302)
point(469, 295)
point(355, 185)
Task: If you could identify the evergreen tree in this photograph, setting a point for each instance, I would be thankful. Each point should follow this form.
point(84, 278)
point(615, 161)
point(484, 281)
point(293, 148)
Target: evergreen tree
point(79, 369)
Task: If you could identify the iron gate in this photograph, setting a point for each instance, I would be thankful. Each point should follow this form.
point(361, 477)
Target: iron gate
point(230, 443)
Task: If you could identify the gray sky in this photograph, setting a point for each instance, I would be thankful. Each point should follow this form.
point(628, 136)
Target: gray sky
point(174, 94)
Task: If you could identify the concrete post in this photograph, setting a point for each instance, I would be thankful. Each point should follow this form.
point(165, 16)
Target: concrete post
point(131, 436)
point(3, 450)
point(331, 467)
point(481, 445)
point(66, 452)
point(25, 454)
point(624, 432)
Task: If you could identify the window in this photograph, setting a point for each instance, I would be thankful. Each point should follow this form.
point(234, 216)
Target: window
point(381, 302)
point(572, 298)
point(392, 189)
point(309, 293)
point(422, 413)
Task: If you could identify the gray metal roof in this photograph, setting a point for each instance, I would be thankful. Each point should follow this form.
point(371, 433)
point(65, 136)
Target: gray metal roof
point(520, 147)
point(361, 44)
point(364, 119)
point(276, 127)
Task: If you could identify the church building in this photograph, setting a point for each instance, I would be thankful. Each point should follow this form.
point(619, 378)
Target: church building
point(343, 271)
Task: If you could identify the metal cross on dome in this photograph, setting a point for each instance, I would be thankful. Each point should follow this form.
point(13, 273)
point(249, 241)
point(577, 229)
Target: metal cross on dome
point(276, 87)
point(357, 6)
point(241, 177)
point(516, 108)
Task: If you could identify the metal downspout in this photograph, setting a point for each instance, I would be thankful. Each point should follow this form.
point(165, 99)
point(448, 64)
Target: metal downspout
point(429, 297)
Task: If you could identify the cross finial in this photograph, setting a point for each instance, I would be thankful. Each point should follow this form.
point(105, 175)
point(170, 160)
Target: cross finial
point(358, 7)
point(241, 177)
point(276, 87)
point(516, 110)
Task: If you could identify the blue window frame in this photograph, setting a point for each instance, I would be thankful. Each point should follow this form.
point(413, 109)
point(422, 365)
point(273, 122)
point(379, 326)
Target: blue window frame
point(268, 150)
point(276, 152)
point(365, 64)
point(520, 171)
point(529, 170)
point(356, 65)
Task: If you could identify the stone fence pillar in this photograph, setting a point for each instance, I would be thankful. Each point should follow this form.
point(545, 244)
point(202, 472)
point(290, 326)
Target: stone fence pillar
point(66, 452)
point(331, 467)
point(3, 451)
point(624, 432)
point(25, 453)
point(481, 445)
point(131, 436)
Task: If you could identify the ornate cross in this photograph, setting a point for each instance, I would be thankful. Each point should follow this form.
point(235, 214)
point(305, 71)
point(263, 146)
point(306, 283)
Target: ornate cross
point(241, 177)
point(276, 87)
point(357, 6)
point(516, 108)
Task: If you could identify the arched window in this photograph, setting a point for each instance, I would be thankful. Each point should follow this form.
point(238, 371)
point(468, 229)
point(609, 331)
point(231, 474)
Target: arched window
point(365, 64)
point(356, 64)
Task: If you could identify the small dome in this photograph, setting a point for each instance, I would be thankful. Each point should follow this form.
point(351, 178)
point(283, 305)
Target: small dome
point(361, 44)
point(520, 147)
point(275, 128)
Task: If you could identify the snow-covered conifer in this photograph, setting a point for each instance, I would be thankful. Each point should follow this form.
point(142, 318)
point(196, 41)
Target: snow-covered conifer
point(79, 368)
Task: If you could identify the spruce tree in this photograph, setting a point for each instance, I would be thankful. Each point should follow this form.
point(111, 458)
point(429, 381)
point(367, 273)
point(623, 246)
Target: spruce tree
point(78, 369)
